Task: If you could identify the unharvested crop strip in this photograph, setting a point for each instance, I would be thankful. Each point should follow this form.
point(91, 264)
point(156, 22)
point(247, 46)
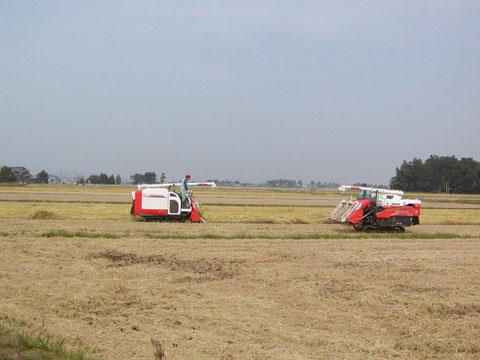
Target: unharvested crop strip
point(65, 201)
point(455, 201)
point(68, 234)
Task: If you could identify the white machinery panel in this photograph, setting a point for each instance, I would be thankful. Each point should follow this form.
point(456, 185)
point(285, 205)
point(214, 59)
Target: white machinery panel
point(155, 199)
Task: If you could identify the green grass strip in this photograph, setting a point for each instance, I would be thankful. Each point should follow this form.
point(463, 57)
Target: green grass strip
point(314, 236)
point(79, 234)
point(19, 344)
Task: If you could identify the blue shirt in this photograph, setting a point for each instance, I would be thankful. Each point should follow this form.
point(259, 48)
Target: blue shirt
point(185, 183)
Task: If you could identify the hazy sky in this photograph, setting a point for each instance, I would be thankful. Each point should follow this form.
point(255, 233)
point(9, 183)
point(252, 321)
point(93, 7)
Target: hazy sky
point(250, 90)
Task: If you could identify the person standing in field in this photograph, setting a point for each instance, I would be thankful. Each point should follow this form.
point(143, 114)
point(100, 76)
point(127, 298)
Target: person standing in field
point(184, 188)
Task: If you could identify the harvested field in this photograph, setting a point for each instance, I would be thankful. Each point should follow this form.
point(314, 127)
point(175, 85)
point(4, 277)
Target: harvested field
point(255, 282)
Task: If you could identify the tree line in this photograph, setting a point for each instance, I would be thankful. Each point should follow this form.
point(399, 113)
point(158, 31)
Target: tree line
point(438, 174)
point(147, 178)
point(150, 177)
point(103, 179)
point(22, 175)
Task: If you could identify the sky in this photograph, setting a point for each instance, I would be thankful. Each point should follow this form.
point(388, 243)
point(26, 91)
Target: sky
point(339, 91)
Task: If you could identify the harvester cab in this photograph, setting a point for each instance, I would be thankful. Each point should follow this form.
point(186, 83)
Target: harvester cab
point(377, 209)
point(163, 202)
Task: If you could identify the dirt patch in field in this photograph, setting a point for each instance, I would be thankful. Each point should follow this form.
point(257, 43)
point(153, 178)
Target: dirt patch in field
point(43, 214)
point(217, 269)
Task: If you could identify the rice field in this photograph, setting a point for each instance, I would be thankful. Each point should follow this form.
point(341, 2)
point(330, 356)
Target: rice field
point(265, 278)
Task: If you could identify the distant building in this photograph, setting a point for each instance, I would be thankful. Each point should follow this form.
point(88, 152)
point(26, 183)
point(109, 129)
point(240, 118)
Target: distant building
point(54, 179)
point(78, 180)
point(22, 174)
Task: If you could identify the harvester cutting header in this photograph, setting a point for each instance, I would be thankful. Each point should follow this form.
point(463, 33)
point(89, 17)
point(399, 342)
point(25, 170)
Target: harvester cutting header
point(377, 209)
point(163, 202)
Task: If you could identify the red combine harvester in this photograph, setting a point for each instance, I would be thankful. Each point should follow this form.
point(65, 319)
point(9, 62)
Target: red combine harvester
point(162, 202)
point(377, 209)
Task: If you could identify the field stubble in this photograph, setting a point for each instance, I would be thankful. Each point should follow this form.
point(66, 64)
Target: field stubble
point(211, 295)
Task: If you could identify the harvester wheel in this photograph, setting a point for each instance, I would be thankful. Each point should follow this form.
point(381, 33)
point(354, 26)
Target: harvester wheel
point(132, 208)
point(399, 229)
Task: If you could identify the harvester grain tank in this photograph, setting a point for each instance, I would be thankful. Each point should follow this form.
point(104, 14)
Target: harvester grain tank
point(377, 209)
point(162, 202)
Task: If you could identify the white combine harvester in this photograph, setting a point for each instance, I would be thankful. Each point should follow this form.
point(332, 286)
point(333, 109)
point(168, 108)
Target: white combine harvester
point(377, 209)
point(162, 202)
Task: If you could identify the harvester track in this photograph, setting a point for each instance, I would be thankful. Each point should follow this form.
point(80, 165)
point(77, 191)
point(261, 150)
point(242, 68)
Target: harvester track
point(381, 230)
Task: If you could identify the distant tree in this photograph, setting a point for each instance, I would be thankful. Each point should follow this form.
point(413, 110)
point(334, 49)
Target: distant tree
point(162, 178)
point(327, 185)
point(147, 178)
point(137, 179)
point(103, 178)
point(438, 173)
point(6, 175)
point(403, 178)
point(469, 170)
point(93, 179)
point(281, 183)
point(42, 177)
point(118, 179)
point(227, 182)
point(300, 183)
point(150, 178)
